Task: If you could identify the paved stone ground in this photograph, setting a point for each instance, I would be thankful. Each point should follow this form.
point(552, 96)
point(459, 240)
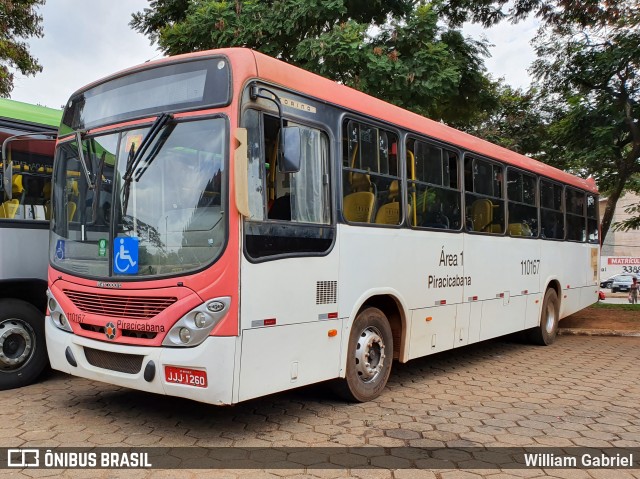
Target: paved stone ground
point(582, 391)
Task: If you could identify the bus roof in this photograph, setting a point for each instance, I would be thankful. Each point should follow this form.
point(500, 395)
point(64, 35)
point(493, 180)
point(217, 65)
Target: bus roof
point(271, 70)
point(28, 113)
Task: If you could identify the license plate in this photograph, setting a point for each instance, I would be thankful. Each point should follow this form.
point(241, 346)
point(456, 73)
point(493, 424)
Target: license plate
point(186, 376)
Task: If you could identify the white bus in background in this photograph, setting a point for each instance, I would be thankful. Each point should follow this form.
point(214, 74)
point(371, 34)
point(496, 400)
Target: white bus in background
point(27, 135)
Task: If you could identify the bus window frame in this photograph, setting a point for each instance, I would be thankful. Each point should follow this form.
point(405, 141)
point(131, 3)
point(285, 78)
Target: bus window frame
point(474, 157)
point(344, 120)
point(263, 108)
point(540, 207)
point(567, 214)
point(460, 174)
point(537, 200)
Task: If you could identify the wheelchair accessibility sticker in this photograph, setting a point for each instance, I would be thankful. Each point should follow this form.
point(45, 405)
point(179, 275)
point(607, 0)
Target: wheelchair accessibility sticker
point(125, 260)
point(60, 250)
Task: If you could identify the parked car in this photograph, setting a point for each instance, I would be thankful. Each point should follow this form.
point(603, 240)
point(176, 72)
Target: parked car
point(622, 282)
point(609, 282)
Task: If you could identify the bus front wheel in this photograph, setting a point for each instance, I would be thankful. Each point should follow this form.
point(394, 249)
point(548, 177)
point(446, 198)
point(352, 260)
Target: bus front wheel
point(23, 354)
point(546, 332)
point(369, 357)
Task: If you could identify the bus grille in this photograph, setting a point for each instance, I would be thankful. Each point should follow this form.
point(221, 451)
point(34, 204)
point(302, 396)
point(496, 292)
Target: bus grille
point(123, 363)
point(119, 306)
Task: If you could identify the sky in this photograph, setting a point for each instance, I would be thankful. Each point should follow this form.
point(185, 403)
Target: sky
point(85, 40)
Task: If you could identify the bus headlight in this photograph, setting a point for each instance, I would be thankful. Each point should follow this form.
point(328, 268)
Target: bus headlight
point(194, 327)
point(57, 315)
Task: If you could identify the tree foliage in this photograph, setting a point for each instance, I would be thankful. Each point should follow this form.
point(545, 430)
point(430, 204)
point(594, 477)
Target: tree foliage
point(593, 69)
point(588, 75)
point(394, 49)
point(520, 122)
point(18, 21)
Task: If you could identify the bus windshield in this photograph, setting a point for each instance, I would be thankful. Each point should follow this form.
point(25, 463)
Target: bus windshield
point(164, 217)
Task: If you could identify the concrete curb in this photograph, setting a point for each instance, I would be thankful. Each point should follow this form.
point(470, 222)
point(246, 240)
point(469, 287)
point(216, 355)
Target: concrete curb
point(597, 332)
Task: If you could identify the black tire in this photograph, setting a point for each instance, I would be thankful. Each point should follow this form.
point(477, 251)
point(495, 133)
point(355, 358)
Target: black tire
point(370, 335)
point(614, 290)
point(545, 334)
point(23, 351)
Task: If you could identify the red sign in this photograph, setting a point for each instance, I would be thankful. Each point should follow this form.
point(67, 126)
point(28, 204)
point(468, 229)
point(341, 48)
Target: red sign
point(623, 261)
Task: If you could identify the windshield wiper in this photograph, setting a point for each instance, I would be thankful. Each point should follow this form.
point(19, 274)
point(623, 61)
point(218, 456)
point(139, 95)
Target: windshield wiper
point(83, 162)
point(136, 157)
point(134, 161)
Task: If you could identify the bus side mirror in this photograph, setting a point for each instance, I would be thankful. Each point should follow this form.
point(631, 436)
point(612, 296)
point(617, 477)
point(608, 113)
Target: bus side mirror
point(292, 154)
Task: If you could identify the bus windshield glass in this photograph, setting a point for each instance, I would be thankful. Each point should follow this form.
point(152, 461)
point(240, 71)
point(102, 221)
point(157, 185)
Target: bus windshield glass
point(164, 217)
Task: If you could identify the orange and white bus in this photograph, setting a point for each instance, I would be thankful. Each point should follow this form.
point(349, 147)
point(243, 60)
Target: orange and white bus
point(227, 226)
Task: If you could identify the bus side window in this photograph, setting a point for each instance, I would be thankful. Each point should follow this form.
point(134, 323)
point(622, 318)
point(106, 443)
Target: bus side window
point(522, 210)
point(483, 197)
point(289, 212)
point(371, 186)
point(434, 193)
point(551, 210)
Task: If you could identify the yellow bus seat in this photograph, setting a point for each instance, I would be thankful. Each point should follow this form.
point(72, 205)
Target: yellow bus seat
point(360, 182)
point(71, 208)
point(46, 194)
point(519, 229)
point(388, 214)
point(9, 208)
point(358, 207)
point(16, 185)
point(482, 214)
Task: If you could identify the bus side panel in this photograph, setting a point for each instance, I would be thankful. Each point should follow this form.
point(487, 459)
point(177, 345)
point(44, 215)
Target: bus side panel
point(285, 357)
point(503, 273)
point(25, 252)
point(288, 307)
point(432, 330)
point(570, 264)
point(411, 262)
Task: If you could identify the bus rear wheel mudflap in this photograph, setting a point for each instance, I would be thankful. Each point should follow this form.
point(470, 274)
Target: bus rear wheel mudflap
point(23, 354)
point(546, 332)
point(369, 357)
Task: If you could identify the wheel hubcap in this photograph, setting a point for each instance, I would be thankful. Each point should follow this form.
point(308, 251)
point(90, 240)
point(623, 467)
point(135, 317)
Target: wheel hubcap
point(16, 344)
point(369, 354)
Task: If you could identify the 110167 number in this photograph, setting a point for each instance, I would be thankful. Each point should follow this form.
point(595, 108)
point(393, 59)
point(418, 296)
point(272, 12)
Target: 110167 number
point(530, 266)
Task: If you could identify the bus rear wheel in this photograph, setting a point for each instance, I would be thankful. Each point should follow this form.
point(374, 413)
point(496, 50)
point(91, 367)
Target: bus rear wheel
point(369, 357)
point(546, 333)
point(23, 354)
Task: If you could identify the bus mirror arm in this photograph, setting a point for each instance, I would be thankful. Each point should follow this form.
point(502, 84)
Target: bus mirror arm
point(289, 156)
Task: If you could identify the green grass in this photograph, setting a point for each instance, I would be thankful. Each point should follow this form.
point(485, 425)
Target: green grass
point(616, 307)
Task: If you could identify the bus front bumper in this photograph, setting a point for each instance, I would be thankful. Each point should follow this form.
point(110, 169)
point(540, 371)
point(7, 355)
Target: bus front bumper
point(215, 356)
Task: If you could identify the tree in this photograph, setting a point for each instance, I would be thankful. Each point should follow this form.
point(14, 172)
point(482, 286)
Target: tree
point(520, 122)
point(18, 20)
point(394, 50)
point(588, 75)
point(594, 70)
